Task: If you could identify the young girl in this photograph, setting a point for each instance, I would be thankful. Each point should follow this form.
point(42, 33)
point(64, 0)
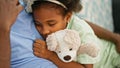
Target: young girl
point(14, 8)
point(53, 15)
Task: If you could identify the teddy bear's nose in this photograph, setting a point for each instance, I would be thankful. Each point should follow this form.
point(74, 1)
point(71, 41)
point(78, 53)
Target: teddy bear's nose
point(67, 57)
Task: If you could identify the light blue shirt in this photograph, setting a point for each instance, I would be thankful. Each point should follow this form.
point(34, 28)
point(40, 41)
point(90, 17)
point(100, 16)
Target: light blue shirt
point(22, 36)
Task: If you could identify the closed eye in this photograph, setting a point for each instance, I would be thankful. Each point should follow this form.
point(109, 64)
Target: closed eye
point(37, 23)
point(52, 24)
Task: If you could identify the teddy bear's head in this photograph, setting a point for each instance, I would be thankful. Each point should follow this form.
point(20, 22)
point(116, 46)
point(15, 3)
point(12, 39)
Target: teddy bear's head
point(65, 43)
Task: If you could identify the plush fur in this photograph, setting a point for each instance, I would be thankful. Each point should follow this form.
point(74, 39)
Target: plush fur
point(67, 44)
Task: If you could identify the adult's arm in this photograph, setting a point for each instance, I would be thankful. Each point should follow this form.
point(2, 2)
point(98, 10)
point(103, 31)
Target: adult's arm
point(106, 34)
point(9, 10)
point(4, 48)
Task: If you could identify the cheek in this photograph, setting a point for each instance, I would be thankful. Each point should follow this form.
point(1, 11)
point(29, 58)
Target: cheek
point(60, 26)
point(57, 28)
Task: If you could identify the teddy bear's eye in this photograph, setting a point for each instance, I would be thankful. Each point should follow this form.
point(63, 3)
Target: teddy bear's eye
point(70, 49)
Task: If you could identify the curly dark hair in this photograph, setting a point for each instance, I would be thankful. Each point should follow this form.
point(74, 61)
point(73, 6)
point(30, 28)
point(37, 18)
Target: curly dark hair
point(72, 5)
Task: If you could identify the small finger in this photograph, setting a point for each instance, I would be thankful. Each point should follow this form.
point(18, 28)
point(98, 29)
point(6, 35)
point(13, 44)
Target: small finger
point(36, 45)
point(40, 41)
point(37, 54)
point(36, 50)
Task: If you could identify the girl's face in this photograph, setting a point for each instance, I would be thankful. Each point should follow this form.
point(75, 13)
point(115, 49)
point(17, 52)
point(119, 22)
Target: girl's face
point(49, 20)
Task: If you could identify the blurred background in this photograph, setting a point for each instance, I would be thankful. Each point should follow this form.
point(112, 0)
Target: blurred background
point(105, 13)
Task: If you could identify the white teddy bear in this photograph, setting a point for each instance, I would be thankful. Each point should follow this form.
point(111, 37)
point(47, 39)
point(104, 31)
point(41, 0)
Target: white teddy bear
point(67, 44)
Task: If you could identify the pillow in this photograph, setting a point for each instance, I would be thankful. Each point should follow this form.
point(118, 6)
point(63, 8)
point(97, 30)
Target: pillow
point(98, 12)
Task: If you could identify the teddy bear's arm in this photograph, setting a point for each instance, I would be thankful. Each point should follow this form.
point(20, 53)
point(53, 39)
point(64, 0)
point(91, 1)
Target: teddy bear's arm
point(90, 48)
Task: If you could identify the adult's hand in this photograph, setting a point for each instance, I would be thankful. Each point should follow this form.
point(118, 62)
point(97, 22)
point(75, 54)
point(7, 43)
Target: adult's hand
point(9, 9)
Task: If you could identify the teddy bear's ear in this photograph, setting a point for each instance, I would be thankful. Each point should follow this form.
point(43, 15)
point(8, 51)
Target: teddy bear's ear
point(51, 42)
point(89, 48)
point(72, 37)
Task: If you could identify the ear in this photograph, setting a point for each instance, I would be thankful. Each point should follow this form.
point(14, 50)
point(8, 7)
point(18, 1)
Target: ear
point(68, 17)
point(51, 42)
point(90, 48)
point(72, 37)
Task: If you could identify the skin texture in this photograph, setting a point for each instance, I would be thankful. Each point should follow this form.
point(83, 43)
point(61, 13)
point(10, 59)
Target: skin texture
point(6, 22)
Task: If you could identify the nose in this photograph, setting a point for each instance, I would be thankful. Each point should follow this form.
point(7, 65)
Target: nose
point(67, 58)
point(45, 31)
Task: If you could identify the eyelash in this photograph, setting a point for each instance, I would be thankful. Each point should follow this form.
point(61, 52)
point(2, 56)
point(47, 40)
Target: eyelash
point(38, 24)
point(51, 24)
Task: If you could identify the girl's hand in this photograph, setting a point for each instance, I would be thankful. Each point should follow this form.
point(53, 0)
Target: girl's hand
point(9, 9)
point(40, 49)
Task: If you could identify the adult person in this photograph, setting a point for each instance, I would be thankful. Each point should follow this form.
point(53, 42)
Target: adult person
point(22, 35)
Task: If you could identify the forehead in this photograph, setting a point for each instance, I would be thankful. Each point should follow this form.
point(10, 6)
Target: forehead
point(44, 14)
point(47, 11)
point(48, 5)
